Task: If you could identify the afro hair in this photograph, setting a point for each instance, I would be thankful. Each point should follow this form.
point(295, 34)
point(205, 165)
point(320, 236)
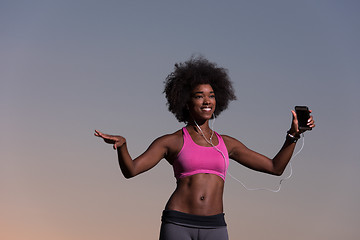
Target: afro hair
point(186, 76)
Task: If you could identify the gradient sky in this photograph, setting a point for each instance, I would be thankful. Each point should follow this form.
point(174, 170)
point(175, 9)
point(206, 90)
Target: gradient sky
point(69, 67)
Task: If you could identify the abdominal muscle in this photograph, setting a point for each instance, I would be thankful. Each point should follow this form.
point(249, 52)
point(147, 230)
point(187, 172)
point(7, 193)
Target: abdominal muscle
point(199, 194)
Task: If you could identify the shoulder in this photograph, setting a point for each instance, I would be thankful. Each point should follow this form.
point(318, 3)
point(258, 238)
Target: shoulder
point(168, 144)
point(170, 140)
point(227, 139)
point(173, 143)
point(171, 136)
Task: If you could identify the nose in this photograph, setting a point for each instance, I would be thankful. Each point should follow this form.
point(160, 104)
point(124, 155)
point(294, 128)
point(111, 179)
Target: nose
point(206, 101)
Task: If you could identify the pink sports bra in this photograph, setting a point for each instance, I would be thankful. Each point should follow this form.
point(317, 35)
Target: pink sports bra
point(193, 159)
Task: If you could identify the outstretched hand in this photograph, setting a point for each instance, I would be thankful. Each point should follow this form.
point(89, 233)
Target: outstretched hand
point(117, 141)
point(294, 129)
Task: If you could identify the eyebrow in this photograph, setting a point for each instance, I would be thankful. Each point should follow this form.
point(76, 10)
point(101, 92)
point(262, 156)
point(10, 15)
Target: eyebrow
point(200, 92)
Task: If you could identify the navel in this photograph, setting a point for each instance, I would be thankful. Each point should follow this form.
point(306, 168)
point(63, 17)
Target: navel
point(202, 198)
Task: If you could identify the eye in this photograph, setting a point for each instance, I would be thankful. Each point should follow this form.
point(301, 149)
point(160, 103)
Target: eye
point(212, 96)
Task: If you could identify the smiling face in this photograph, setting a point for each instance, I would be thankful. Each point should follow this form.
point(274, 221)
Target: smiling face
point(202, 102)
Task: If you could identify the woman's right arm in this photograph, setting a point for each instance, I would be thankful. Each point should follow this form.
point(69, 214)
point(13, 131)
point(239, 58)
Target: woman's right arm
point(129, 167)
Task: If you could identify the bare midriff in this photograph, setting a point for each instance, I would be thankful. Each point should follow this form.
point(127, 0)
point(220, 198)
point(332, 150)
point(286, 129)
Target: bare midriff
point(200, 194)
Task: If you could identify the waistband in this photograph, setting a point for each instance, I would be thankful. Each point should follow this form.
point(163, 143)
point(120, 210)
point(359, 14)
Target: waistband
point(191, 220)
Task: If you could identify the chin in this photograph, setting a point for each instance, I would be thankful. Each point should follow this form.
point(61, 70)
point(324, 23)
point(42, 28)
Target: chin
point(205, 116)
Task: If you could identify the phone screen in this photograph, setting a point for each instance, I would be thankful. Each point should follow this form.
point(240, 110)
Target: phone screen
point(303, 114)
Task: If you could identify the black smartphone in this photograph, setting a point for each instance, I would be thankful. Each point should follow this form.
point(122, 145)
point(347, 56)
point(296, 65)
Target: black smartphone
point(303, 114)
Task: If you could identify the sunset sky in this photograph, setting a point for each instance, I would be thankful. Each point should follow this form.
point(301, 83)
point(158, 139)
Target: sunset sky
point(69, 67)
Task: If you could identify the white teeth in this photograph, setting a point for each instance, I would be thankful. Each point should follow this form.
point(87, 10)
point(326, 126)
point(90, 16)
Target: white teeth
point(206, 109)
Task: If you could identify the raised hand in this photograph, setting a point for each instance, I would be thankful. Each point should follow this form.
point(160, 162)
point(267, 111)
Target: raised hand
point(294, 129)
point(117, 141)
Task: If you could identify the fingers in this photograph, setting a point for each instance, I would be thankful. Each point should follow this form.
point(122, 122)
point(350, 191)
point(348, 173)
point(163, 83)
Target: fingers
point(311, 122)
point(97, 133)
point(116, 141)
point(102, 135)
point(107, 138)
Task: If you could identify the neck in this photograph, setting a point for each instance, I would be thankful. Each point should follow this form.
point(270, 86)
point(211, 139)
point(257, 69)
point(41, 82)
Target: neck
point(203, 124)
point(204, 130)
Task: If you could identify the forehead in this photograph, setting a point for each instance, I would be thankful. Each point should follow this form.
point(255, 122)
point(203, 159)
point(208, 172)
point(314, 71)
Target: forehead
point(202, 88)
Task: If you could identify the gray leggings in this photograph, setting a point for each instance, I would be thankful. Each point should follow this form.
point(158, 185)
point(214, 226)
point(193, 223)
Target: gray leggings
point(171, 231)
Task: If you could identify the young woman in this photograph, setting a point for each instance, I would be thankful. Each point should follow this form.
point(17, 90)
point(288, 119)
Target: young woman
point(198, 91)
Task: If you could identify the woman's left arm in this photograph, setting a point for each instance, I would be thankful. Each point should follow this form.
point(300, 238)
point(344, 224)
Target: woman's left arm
point(251, 159)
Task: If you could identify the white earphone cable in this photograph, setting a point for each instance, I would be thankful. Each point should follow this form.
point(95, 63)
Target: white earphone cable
point(281, 180)
point(250, 189)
